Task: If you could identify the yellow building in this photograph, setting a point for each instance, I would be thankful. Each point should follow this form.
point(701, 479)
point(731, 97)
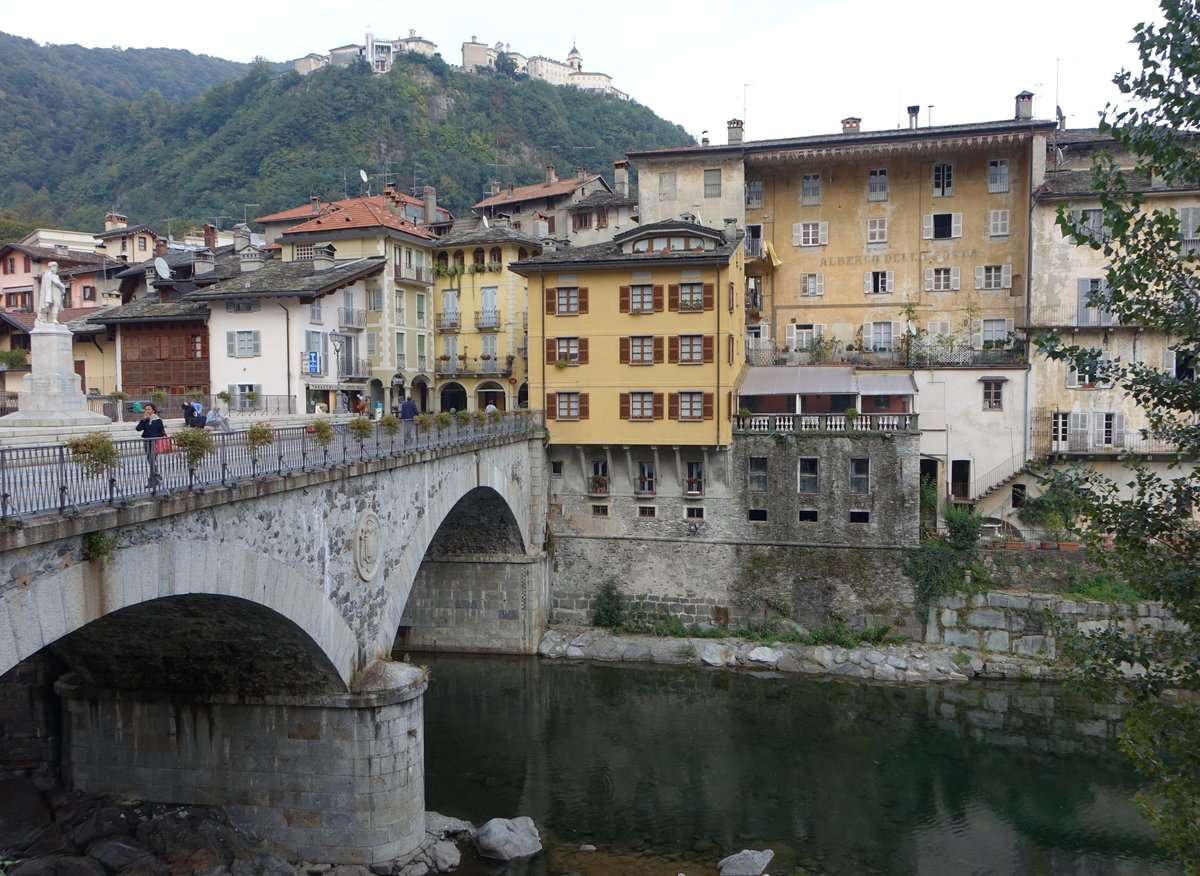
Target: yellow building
point(639, 351)
point(481, 310)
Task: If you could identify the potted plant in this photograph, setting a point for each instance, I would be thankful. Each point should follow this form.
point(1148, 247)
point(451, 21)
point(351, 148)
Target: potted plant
point(159, 397)
point(225, 396)
point(485, 358)
point(13, 358)
point(360, 428)
point(445, 357)
point(390, 424)
point(195, 444)
point(442, 419)
point(561, 363)
point(424, 422)
point(851, 417)
point(322, 432)
point(598, 485)
point(95, 452)
point(258, 436)
point(252, 398)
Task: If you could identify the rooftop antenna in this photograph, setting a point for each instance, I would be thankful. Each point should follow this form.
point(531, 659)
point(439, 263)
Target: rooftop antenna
point(929, 117)
point(417, 168)
point(245, 212)
point(745, 85)
point(365, 188)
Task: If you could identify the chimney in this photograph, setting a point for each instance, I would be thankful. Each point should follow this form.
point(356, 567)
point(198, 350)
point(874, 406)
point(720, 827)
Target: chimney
point(160, 247)
point(541, 229)
point(314, 205)
point(735, 131)
point(1024, 106)
point(60, 250)
point(210, 236)
point(241, 237)
point(914, 112)
point(551, 175)
point(494, 187)
point(250, 259)
point(704, 138)
point(203, 262)
point(323, 256)
point(731, 229)
point(113, 221)
point(851, 125)
point(581, 173)
point(429, 197)
point(621, 177)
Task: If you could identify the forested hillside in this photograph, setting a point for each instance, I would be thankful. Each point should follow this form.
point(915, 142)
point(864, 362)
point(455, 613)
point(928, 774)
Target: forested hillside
point(276, 139)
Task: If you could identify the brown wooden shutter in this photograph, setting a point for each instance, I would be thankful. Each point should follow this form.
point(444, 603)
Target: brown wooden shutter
point(673, 405)
point(624, 406)
point(583, 405)
point(673, 349)
point(583, 299)
point(551, 406)
point(657, 298)
point(707, 408)
point(729, 401)
point(731, 349)
point(658, 405)
point(658, 350)
point(583, 351)
point(624, 298)
point(673, 297)
point(551, 301)
point(710, 295)
point(551, 351)
point(706, 348)
point(623, 346)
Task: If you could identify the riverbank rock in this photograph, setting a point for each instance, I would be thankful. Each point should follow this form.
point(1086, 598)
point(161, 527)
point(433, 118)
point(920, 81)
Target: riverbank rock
point(22, 810)
point(503, 839)
point(747, 862)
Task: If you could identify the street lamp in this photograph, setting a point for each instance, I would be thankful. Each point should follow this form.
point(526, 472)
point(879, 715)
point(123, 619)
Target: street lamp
point(336, 341)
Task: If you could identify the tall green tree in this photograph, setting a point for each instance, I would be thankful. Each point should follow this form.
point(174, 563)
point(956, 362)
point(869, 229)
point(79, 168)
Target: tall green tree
point(1153, 280)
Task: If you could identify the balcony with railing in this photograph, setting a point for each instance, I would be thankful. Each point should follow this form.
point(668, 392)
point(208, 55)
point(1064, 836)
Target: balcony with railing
point(474, 365)
point(597, 485)
point(917, 355)
point(487, 320)
point(450, 321)
point(422, 363)
point(754, 247)
point(353, 368)
point(413, 273)
point(400, 361)
point(351, 318)
point(693, 488)
point(314, 364)
point(643, 486)
point(787, 424)
point(1067, 316)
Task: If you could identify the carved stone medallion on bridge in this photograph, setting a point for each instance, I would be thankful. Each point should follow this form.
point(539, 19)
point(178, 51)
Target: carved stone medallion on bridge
point(367, 548)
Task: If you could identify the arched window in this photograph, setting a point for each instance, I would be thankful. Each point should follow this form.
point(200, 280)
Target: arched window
point(443, 259)
point(458, 258)
point(477, 256)
point(494, 256)
point(521, 253)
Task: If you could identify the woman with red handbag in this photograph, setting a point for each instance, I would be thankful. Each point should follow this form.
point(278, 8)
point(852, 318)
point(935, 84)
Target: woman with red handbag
point(154, 433)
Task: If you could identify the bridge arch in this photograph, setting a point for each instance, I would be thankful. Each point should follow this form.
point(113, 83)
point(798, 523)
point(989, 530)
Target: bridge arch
point(155, 586)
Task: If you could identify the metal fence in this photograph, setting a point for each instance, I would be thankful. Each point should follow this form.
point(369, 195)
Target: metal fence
point(41, 479)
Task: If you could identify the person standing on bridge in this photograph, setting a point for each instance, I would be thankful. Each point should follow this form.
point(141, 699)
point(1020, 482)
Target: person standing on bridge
point(152, 428)
point(408, 416)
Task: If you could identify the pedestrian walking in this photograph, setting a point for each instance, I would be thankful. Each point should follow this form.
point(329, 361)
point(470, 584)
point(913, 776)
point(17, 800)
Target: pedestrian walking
point(408, 416)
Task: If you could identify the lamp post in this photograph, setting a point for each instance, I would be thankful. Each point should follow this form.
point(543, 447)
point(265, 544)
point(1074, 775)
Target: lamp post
point(336, 341)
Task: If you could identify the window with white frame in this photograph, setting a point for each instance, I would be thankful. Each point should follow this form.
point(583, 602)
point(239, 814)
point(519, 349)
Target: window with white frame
point(860, 476)
point(879, 282)
point(800, 335)
point(420, 310)
point(372, 344)
point(666, 186)
point(375, 299)
point(399, 349)
point(303, 252)
point(691, 405)
point(641, 299)
point(998, 223)
point(877, 184)
point(691, 296)
point(994, 333)
point(450, 346)
point(993, 277)
point(943, 180)
point(997, 175)
point(993, 395)
point(712, 182)
point(942, 279)
point(941, 226)
point(243, 306)
point(1189, 229)
point(691, 349)
point(567, 405)
point(808, 475)
point(641, 350)
point(810, 234)
point(877, 230)
point(810, 188)
point(243, 344)
point(568, 350)
point(754, 193)
point(812, 285)
point(693, 482)
point(641, 405)
point(1109, 430)
point(880, 336)
point(645, 477)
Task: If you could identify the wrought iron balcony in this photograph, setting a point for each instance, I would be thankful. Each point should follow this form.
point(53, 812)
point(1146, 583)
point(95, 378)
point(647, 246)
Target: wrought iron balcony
point(350, 318)
point(487, 320)
point(413, 273)
point(450, 321)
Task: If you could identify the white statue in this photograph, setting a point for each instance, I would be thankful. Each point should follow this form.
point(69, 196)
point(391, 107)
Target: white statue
point(50, 297)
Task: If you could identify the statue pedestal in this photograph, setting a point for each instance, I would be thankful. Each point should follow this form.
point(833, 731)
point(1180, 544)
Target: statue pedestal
point(51, 395)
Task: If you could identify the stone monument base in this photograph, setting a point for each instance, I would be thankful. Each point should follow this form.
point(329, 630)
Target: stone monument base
point(51, 396)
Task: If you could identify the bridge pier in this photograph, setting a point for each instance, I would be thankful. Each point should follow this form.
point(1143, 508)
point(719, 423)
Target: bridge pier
point(337, 778)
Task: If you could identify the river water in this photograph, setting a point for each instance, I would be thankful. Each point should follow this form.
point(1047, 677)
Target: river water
point(668, 769)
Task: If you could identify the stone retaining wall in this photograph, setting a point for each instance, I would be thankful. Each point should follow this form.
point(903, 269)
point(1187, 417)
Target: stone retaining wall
point(30, 727)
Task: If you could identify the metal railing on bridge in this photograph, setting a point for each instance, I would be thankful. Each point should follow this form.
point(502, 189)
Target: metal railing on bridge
point(50, 478)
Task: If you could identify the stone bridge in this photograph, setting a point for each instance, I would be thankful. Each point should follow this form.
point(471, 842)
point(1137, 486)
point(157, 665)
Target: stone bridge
point(234, 646)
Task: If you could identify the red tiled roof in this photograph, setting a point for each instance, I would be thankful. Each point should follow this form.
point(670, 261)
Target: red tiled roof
point(306, 210)
point(537, 190)
point(359, 214)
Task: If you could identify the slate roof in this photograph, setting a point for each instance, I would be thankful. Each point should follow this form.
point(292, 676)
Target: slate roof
point(604, 199)
point(1078, 183)
point(74, 318)
point(480, 236)
point(127, 230)
point(289, 279)
point(356, 216)
point(517, 194)
point(610, 252)
point(72, 258)
point(150, 309)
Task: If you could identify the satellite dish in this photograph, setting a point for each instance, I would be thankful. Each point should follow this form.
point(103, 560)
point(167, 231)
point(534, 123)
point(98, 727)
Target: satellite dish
point(362, 174)
point(161, 268)
point(485, 222)
point(912, 329)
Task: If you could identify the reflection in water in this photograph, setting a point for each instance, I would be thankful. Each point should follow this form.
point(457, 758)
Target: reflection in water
point(667, 770)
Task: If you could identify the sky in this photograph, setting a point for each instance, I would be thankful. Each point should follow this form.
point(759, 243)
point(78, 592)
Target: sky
point(785, 68)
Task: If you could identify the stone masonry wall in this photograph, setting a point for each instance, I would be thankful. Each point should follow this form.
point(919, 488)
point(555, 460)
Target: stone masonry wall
point(30, 733)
